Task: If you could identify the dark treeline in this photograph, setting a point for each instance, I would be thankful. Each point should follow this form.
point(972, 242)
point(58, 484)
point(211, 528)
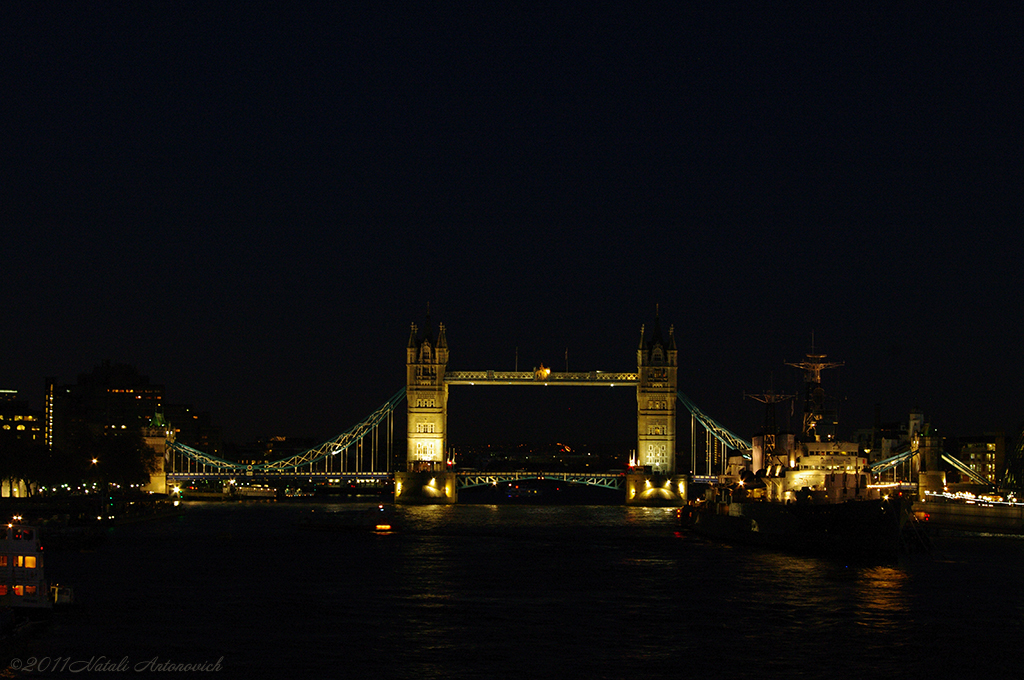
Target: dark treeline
point(117, 458)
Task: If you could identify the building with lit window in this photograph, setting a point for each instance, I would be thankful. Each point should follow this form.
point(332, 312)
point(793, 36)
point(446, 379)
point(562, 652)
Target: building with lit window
point(115, 397)
point(111, 397)
point(21, 431)
point(19, 422)
point(985, 454)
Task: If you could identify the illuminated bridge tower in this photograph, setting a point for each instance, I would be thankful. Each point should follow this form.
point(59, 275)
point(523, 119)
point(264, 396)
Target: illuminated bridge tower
point(657, 364)
point(426, 396)
point(653, 481)
point(426, 479)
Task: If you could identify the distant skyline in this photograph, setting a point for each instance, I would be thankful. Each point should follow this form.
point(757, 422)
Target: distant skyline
point(250, 203)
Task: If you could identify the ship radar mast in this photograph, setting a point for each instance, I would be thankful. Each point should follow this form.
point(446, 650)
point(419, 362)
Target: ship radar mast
point(814, 396)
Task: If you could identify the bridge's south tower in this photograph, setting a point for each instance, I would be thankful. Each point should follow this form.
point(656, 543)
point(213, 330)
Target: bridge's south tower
point(427, 396)
point(653, 480)
point(657, 362)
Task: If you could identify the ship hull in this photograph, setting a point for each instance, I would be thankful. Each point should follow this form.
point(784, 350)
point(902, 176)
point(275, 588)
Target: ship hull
point(867, 529)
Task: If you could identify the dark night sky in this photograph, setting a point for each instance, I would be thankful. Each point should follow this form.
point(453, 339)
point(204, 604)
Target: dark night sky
point(251, 203)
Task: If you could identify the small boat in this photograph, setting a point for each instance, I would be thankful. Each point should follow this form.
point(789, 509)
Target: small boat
point(256, 491)
point(378, 518)
point(22, 581)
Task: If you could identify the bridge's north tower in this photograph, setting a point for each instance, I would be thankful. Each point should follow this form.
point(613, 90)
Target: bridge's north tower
point(426, 396)
point(426, 479)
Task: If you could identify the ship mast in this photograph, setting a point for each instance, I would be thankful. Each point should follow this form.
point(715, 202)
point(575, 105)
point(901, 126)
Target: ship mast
point(814, 395)
point(771, 429)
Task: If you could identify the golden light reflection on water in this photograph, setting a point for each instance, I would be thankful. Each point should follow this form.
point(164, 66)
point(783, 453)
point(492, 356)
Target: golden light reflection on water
point(883, 588)
point(798, 595)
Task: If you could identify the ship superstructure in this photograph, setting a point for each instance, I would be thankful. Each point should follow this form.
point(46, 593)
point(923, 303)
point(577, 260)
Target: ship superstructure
point(820, 469)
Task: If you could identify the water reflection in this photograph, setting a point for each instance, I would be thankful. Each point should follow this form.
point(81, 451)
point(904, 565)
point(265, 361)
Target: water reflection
point(528, 591)
point(883, 598)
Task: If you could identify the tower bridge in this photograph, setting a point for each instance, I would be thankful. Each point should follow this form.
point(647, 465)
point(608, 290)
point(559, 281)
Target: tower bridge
point(365, 451)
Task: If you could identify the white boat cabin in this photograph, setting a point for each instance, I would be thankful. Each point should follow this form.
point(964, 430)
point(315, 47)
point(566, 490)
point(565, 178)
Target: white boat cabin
point(22, 583)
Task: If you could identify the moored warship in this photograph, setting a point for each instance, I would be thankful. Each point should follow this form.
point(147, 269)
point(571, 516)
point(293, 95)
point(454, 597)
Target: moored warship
point(812, 494)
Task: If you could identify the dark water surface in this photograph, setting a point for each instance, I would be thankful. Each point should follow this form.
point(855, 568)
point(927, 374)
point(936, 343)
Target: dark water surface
point(479, 591)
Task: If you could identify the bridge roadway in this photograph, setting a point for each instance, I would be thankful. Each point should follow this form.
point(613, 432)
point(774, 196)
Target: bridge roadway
point(591, 379)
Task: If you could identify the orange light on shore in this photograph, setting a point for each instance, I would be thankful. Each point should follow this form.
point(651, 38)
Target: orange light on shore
point(383, 527)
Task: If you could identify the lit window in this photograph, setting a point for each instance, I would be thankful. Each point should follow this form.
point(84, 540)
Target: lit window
point(3, 589)
point(19, 590)
point(3, 560)
point(30, 561)
point(30, 590)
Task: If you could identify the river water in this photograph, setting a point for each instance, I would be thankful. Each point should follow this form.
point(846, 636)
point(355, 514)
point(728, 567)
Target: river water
point(485, 591)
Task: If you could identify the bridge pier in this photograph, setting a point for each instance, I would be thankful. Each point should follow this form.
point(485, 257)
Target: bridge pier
point(426, 487)
point(656, 490)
